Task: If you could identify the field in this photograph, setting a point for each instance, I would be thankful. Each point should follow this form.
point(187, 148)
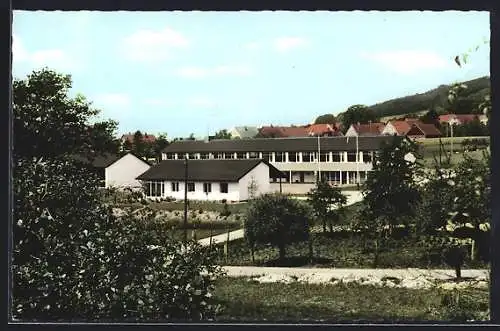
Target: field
point(341, 250)
point(246, 300)
point(430, 147)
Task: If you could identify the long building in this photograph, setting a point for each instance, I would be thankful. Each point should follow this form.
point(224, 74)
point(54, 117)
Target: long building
point(340, 160)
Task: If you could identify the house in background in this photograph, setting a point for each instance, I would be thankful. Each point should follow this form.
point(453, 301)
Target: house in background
point(122, 172)
point(213, 180)
point(422, 130)
point(323, 130)
point(399, 128)
point(459, 119)
point(284, 131)
point(370, 129)
point(243, 132)
point(97, 163)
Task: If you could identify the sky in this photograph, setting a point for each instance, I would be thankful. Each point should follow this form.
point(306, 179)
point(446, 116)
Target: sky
point(199, 72)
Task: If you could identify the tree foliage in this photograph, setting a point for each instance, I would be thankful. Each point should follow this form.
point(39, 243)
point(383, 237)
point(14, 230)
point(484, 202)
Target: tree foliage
point(277, 220)
point(357, 114)
point(327, 203)
point(222, 134)
point(325, 119)
point(72, 258)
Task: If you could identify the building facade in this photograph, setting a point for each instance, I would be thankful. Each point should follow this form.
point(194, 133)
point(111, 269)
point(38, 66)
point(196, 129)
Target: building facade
point(122, 173)
point(340, 160)
point(209, 180)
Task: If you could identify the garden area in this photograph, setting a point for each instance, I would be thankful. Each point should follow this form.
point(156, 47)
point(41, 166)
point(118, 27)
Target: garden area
point(433, 147)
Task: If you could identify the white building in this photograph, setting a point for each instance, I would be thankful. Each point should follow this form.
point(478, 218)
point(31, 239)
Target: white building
point(215, 180)
point(340, 160)
point(122, 172)
point(243, 132)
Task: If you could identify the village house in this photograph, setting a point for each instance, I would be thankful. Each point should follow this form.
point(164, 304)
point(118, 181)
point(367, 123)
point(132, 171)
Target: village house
point(214, 180)
point(284, 131)
point(422, 130)
point(97, 163)
point(369, 129)
point(459, 119)
point(122, 172)
point(148, 138)
point(324, 130)
point(243, 132)
point(399, 128)
point(339, 160)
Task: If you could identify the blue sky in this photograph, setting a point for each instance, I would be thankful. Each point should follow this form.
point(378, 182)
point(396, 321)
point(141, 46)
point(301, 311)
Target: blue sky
point(193, 72)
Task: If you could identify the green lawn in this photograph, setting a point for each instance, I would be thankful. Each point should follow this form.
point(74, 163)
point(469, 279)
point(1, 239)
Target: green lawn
point(234, 208)
point(245, 300)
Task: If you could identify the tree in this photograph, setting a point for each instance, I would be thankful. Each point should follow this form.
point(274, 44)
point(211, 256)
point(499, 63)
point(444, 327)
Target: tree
point(253, 188)
point(277, 220)
point(72, 258)
point(431, 117)
point(159, 145)
point(325, 119)
point(390, 191)
point(357, 114)
point(138, 143)
point(222, 134)
point(327, 202)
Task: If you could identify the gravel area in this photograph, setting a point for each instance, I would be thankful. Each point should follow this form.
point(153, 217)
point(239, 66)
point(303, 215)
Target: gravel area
point(407, 278)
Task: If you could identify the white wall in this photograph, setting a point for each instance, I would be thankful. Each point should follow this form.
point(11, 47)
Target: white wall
point(389, 129)
point(123, 172)
point(351, 132)
point(198, 194)
point(261, 175)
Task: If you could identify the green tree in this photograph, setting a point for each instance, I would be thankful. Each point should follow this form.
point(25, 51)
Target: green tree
point(327, 203)
point(72, 258)
point(277, 220)
point(222, 134)
point(159, 145)
point(357, 114)
point(139, 145)
point(325, 119)
point(431, 117)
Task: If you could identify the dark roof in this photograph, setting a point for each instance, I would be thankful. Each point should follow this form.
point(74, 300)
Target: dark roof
point(425, 129)
point(278, 145)
point(206, 170)
point(97, 161)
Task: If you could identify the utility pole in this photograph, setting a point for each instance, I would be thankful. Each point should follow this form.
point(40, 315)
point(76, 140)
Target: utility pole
point(451, 141)
point(185, 197)
point(319, 160)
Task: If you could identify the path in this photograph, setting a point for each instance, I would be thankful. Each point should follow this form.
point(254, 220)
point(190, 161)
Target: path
point(409, 278)
point(222, 238)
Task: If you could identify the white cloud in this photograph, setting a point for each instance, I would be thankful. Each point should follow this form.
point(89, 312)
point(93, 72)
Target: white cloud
point(285, 44)
point(202, 102)
point(408, 61)
point(52, 58)
point(112, 100)
point(223, 70)
point(149, 45)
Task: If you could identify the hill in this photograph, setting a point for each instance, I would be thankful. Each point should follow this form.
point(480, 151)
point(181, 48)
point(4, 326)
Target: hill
point(436, 98)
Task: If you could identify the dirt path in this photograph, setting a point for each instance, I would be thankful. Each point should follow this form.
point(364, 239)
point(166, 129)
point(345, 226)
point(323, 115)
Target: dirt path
point(222, 238)
point(408, 278)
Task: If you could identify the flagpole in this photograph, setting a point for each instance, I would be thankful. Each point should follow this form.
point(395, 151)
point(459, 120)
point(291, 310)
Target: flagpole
point(319, 157)
point(357, 158)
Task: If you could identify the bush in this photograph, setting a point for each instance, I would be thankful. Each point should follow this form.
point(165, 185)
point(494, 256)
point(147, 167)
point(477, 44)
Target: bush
point(74, 261)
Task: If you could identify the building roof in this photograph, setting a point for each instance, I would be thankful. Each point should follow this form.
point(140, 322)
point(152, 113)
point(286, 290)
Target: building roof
point(97, 161)
point(206, 170)
point(246, 131)
point(284, 131)
point(278, 145)
point(370, 129)
point(145, 137)
point(463, 118)
point(402, 127)
point(322, 129)
point(425, 129)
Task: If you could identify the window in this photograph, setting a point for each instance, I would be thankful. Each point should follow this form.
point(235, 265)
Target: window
point(336, 157)
point(367, 157)
point(219, 156)
point(241, 155)
point(307, 157)
point(324, 157)
point(191, 156)
point(230, 156)
point(279, 157)
point(254, 155)
point(292, 157)
point(351, 157)
point(267, 156)
point(155, 188)
point(207, 187)
point(190, 187)
point(224, 188)
point(169, 156)
point(204, 156)
point(175, 186)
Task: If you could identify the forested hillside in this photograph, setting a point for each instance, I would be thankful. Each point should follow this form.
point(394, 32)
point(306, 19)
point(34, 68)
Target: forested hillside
point(436, 98)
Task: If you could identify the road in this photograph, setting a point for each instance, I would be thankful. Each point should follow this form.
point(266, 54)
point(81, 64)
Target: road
point(408, 278)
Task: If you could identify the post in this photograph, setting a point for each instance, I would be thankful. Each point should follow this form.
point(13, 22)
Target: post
point(281, 190)
point(185, 198)
point(357, 160)
point(319, 160)
point(451, 140)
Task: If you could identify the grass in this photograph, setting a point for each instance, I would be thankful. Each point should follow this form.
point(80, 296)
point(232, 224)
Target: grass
point(235, 208)
point(447, 140)
point(243, 301)
point(339, 250)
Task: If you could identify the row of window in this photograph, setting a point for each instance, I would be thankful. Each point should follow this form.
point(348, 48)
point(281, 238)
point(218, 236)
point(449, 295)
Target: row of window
point(278, 156)
point(157, 188)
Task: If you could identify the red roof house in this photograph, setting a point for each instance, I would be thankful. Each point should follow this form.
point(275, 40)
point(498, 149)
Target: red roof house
point(149, 138)
point(422, 130)
point(370, 129)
